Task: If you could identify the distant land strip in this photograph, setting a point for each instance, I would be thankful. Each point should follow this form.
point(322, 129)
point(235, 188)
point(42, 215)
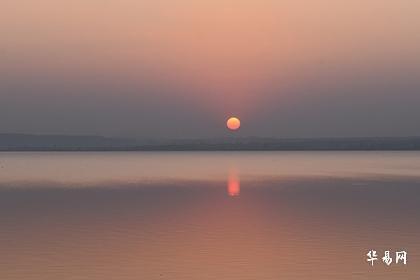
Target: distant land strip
point(28, 142)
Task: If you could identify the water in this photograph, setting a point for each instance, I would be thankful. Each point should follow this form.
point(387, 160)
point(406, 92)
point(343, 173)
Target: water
point(210, 215)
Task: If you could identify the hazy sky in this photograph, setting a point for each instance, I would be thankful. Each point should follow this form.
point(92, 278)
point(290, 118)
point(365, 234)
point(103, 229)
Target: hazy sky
point(179, 68)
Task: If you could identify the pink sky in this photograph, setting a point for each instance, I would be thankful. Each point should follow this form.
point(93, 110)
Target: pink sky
point(222, 57)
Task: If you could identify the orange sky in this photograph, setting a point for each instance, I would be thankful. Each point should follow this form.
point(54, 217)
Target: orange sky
point(221, 55)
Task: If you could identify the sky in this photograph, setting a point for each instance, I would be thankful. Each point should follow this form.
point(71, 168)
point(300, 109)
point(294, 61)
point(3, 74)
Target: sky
point(179, 68)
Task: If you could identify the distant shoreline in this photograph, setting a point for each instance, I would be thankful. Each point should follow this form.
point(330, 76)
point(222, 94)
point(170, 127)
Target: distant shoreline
point(49, 143)
point(208, 150)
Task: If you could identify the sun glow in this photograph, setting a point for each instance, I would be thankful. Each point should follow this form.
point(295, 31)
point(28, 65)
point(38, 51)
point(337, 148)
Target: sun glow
point(233, 123)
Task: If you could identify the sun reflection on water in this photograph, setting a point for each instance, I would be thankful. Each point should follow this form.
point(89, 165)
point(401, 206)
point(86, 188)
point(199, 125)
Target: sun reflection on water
point(233, 184)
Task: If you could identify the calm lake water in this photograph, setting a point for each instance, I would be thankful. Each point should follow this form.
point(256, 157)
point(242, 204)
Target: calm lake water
point(208, 215)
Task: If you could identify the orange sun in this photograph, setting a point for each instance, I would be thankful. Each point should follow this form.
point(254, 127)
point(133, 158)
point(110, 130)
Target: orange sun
point(233, 123)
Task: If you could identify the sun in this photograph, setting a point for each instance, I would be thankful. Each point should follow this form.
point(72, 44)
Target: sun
point(233, 123)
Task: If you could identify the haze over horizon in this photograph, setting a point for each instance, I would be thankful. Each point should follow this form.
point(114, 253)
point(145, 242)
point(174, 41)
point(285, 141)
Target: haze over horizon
point(179, 69)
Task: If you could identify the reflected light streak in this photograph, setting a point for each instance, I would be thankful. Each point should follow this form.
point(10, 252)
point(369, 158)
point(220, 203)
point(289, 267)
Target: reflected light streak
point(233, 185)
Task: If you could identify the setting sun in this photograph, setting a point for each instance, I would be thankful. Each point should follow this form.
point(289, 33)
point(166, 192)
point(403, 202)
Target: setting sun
point(233, 123)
